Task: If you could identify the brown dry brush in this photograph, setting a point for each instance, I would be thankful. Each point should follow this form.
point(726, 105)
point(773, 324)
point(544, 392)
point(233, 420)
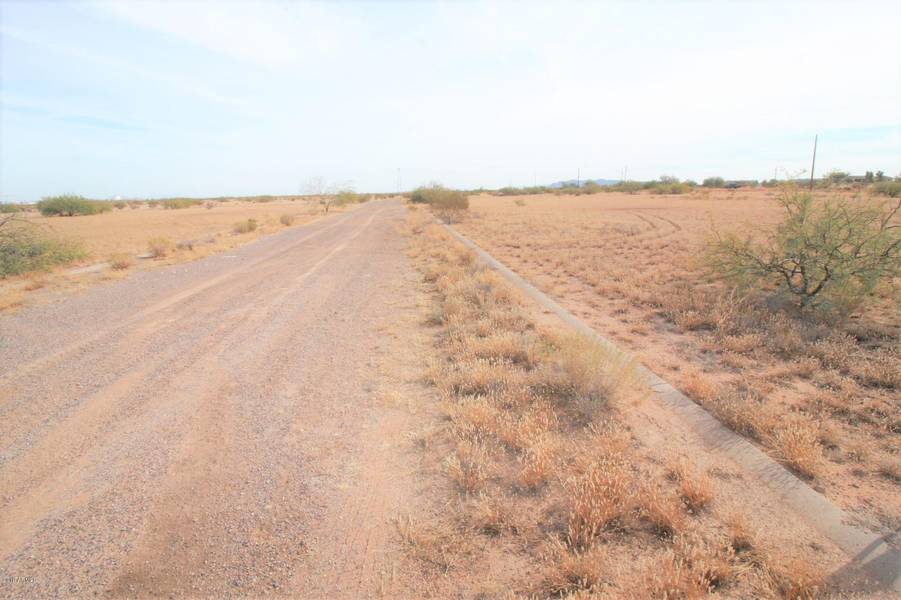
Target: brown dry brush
point(540, 463)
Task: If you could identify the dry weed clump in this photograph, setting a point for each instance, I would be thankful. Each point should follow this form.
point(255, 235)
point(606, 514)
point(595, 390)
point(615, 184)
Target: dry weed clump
point(571, 571)
point(541, 464)
point(121, 261)
point(693, 568)
point(695, 487)
point(599, 499)
point(798, 443)
point(160, 247)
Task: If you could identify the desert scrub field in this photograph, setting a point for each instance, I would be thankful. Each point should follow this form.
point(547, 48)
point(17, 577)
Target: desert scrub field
point(166, 231)
point(820, 397)
point(551, 492)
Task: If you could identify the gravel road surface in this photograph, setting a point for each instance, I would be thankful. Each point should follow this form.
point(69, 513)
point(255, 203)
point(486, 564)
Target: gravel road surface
point(208, 429)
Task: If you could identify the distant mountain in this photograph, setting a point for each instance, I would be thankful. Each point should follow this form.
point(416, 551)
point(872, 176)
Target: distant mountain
point(572, 182)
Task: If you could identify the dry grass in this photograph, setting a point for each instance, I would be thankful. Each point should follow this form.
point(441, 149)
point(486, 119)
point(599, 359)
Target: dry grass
point(121, 261)
point(541, 467)
point(160, 247)
point(628, 265)
point(695, 488)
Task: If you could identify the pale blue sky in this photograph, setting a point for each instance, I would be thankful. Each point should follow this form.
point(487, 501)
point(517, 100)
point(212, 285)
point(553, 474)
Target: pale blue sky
point(204, 99)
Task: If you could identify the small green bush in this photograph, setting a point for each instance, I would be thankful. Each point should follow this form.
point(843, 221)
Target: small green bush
point(714, 182)
point(69, 205)
point(892, 189)
point(629, 187)
point(440, 197)
point(7, 208)
point(23, 250)
point(244, 226)
point(345, 197)
point(670, 187)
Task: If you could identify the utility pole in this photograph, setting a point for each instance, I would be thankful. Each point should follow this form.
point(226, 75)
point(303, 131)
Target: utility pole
point(814, 162)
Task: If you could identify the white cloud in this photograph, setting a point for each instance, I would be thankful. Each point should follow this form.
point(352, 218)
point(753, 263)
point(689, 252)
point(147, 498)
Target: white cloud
point(267, 34)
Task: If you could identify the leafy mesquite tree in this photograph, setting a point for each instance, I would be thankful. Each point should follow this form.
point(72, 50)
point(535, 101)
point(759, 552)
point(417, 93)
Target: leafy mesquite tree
point(827, 254)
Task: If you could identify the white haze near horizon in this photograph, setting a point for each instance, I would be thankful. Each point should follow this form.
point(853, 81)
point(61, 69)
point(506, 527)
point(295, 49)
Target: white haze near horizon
point(154, 99)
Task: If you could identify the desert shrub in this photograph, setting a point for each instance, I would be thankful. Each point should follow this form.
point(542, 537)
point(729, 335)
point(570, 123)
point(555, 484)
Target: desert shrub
point(835, 177)
point(70, 205)
point(450, 200)
point(829, 254)
point(8, 208)
point(891, 189)
point(244, 226)
point(120, 204)
point(629, 187)
point(160, 247)
point(23, 249)
point(670, 187)
point(178, 203)
point(348, 196)
point(120, 261)
point(286, 220)
point(440, 197)
point(714, 182)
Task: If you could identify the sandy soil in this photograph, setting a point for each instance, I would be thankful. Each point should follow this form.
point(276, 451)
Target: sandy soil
point(614, 259)
point(231, 426)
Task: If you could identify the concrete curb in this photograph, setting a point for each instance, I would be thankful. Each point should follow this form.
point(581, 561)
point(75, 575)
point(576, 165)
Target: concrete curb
point(869, 551)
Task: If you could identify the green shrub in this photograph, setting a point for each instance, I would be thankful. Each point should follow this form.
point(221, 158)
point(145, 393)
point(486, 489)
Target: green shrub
point(827, 254)
point(440, 197)
point(714, 182)
point(23, 249)
point(7, 208)
point(891, 189)
point(670, 187)
point(69, 205)
point(629, 187)
point(418, 196)
point(345, 197)
point(178, 203)
point(244, 226)
point(120, 204)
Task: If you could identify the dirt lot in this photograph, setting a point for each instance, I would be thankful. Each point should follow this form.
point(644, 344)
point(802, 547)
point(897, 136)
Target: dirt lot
point(822, 399)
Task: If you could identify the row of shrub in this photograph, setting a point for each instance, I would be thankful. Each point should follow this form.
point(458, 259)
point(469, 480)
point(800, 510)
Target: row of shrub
point(672, 185)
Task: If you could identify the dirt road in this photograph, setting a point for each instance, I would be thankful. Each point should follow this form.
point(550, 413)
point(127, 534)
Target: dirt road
point(211, 428)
